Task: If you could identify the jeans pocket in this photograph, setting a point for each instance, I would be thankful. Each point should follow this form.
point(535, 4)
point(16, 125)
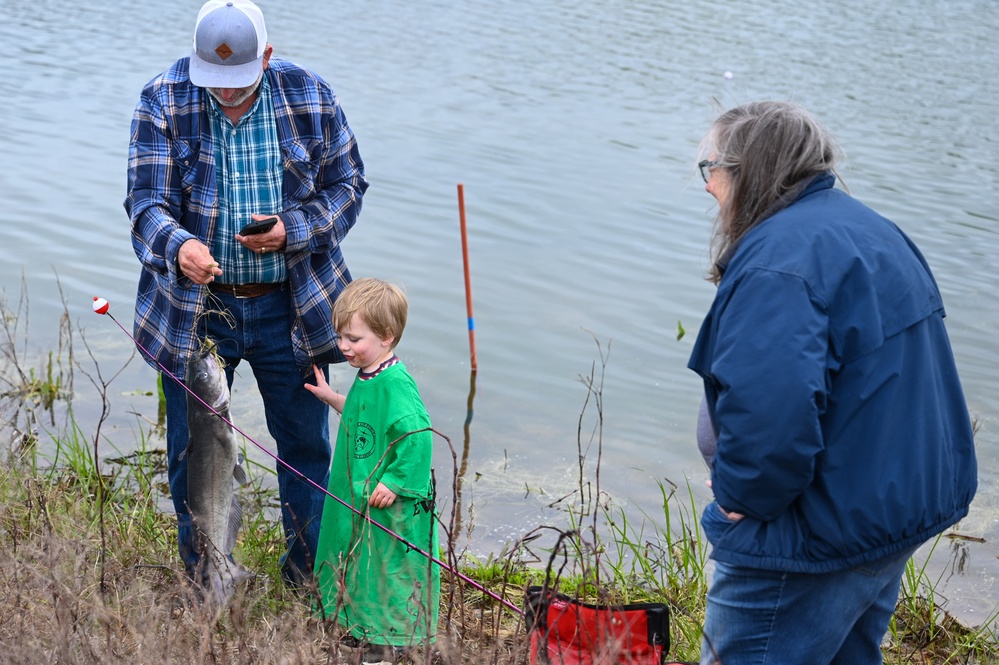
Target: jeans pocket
point(714, 522)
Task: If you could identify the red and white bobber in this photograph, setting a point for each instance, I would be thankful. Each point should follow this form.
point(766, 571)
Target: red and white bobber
point(100, 305)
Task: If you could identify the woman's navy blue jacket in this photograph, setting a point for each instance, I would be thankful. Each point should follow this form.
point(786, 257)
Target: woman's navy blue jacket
point(843, 433)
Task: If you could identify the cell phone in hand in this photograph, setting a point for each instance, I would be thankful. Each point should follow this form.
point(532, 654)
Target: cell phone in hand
point(259, 226)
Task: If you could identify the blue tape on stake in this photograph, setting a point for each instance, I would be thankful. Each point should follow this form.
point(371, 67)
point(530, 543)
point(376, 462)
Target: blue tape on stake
point(471, 323)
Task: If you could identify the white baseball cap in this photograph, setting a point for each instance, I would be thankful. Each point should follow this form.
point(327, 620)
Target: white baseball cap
point(229, 41)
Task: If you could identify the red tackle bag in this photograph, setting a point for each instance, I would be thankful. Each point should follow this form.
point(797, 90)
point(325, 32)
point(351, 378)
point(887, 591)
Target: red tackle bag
point(564, 631)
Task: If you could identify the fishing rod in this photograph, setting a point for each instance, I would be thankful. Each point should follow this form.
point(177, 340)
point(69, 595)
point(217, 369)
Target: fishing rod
point(102, 307)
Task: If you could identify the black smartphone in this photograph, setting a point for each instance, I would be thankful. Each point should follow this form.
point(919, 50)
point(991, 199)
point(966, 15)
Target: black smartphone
point(259, 226)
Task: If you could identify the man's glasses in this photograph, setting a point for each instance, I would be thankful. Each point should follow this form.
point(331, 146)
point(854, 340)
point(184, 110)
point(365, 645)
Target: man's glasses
point(705, 165)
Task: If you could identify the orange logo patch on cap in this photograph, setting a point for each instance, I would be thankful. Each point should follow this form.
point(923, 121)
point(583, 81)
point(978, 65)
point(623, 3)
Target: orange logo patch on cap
point(223, 50)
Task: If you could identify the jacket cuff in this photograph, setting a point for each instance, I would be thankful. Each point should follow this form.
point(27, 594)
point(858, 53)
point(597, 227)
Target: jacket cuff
point(296, 234)
point(177, 238)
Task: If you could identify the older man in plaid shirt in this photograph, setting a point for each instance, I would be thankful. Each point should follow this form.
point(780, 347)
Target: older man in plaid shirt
point(227, 136)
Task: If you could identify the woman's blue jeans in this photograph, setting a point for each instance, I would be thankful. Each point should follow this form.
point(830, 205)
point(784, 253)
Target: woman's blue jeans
point(259, 332)
point(762, 617)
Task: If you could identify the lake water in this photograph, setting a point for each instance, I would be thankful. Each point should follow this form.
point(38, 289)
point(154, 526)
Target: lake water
point(573, 129)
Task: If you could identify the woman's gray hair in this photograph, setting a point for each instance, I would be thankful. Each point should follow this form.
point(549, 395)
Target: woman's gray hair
point(771, 151)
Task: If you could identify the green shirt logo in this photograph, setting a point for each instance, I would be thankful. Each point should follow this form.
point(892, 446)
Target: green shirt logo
point(364, 441)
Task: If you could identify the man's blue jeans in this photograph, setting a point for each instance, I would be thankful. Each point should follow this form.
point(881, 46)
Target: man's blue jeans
point(259, 333)
point(761, 617)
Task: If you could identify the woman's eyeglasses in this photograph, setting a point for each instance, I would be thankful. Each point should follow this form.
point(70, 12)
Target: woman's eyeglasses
point(705, 165)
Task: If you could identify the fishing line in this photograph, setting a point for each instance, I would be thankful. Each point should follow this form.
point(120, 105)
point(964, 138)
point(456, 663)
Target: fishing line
point(101, 306)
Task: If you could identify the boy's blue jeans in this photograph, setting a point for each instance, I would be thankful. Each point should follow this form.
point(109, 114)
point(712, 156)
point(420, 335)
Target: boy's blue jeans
point(296, 419)
point(761, 617)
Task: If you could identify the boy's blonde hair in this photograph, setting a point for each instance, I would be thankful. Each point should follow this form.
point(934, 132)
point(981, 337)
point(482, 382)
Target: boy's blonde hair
point(382, 306)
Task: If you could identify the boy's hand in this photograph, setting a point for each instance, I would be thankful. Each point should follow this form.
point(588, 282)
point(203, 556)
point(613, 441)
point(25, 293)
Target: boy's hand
point(382, 497)
point(323, 391)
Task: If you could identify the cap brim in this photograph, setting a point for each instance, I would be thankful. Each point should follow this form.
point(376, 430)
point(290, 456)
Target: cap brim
point(208, 75)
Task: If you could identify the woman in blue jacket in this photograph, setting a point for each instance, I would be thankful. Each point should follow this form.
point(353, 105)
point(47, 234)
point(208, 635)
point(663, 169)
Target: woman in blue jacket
point(844, 440)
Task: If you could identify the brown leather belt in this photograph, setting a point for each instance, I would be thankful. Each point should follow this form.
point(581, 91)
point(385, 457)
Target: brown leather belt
point(246, 290)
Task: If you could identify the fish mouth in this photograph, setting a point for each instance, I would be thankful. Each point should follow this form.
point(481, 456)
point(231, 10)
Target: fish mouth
point(211, 377)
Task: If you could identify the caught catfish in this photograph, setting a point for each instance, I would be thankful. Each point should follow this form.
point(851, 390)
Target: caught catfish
point(213, 461)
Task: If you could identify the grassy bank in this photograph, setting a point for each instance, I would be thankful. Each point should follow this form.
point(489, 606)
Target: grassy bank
point(89, 571)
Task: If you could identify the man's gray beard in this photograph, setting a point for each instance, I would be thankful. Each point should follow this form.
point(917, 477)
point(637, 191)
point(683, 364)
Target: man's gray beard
point(238, 99)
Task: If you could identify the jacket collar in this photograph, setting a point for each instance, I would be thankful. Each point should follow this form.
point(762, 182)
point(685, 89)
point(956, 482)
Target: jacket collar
point(806, 187)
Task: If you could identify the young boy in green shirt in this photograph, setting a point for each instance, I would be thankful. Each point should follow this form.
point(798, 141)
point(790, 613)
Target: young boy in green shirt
point(383, 593)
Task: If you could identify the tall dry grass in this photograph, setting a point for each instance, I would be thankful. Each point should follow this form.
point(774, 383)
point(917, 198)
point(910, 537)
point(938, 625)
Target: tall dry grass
point(89, 571)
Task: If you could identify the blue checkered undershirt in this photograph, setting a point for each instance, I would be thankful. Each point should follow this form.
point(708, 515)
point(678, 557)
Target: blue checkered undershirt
point(249, 172)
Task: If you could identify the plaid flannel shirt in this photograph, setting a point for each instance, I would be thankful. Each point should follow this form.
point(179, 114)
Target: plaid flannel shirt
point(172, 197)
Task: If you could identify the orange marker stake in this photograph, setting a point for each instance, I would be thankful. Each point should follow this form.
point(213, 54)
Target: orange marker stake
point(468, 278)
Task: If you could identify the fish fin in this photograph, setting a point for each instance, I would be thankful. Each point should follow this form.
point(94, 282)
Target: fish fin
point(239, 471)
point(242, 574)
point(186, 449)
point(235, 522)
point(220, 582)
